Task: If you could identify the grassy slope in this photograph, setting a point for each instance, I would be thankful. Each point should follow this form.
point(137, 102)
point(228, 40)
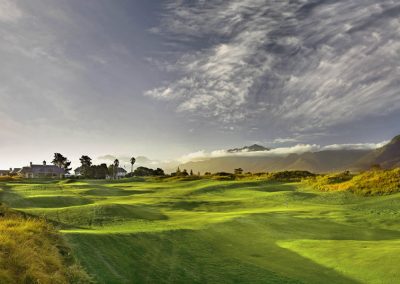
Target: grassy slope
point(220, 231)
point(31, 251)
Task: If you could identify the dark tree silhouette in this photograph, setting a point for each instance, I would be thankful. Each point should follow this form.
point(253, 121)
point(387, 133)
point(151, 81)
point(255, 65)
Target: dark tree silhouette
point(86, 163)
point(133, 160)
point(61, 162)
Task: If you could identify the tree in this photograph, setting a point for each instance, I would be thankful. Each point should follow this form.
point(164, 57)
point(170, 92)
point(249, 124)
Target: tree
point(191, 172)
point(143, 171)
point(159, 172)
point(61, 162)
point(133, 160)
point(238, 171)
point(86, 163)
point(99, 171)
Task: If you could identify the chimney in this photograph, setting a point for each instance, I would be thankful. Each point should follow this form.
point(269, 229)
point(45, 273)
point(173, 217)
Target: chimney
point(31, 164)
point(44, 163)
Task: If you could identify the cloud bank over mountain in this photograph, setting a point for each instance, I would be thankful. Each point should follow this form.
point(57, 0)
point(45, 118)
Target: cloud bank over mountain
point(281, 151)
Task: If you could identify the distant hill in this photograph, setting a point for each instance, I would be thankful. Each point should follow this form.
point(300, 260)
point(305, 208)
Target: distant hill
point(323, 161)
point(387, 156)
point(252, 148)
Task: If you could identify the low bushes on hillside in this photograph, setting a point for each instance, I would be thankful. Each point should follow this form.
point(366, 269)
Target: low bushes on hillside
point(290, 176)
point(284, 176)
point(330, 182)
point(223, 176)
point(373, 182)
point(9, 178)
point(377, 182)
point(31, 251)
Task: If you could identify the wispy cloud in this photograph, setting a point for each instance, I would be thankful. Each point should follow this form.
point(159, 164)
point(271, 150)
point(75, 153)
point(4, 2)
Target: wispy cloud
point(309, 64)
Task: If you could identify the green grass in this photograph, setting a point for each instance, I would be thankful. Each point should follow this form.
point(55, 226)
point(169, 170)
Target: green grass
point(210, 231)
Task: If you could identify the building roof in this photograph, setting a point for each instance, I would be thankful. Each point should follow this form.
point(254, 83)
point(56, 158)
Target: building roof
point(15, 170)
point(121, 170)
point(4, 171)
point(42, 169)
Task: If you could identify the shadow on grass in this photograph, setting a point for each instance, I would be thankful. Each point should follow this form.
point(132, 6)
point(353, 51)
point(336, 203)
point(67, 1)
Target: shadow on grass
point(186, 256)
point(112, 191)
point(219, 188)
point(209, 206)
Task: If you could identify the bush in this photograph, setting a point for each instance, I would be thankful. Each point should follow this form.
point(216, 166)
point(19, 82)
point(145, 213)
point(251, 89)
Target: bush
point(372, 182)
point(146, 172)
point(377, 182)
point(284, 176)
point(9, 178)
point(223, 176)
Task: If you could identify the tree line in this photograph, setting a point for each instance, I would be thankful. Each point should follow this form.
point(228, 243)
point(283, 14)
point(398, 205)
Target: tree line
point(88, 170)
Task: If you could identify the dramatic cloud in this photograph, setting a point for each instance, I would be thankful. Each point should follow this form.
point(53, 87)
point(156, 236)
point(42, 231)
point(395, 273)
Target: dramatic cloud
point(308, 64)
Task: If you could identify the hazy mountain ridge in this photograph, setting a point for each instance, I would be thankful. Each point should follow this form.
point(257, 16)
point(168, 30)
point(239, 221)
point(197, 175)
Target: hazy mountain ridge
point(252, 148)
point(387, 156)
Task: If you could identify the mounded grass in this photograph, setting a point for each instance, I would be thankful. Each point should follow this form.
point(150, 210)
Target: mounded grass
point(31, 251)
point(250, 230)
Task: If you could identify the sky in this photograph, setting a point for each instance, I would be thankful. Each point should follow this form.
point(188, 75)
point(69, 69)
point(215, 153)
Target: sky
point(168, 80)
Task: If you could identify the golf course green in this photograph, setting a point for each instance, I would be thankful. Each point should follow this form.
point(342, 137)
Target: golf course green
point(210, 231)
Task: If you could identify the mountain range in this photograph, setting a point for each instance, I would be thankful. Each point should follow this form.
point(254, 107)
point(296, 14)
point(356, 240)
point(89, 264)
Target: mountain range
point(387, 156)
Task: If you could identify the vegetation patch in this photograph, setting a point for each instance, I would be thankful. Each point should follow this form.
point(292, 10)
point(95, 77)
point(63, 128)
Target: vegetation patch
point(31, 251)
point(373, 182)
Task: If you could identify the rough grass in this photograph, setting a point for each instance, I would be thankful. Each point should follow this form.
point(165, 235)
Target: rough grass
point(373, 182)
point(251, 230)
point(31, 251)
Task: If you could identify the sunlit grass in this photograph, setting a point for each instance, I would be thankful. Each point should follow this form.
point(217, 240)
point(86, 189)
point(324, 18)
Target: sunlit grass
point(252, 231)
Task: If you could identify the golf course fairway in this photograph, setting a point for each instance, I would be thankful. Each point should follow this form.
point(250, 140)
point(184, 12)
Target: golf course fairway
point(209, 231)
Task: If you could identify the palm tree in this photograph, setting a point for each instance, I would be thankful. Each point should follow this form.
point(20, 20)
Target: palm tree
point(133, 160)
point(116, 166)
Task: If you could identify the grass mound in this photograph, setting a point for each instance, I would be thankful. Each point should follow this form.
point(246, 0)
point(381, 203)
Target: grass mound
point(50, 202)
point(100, 215)
point(32, 252)
point(110, 191)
